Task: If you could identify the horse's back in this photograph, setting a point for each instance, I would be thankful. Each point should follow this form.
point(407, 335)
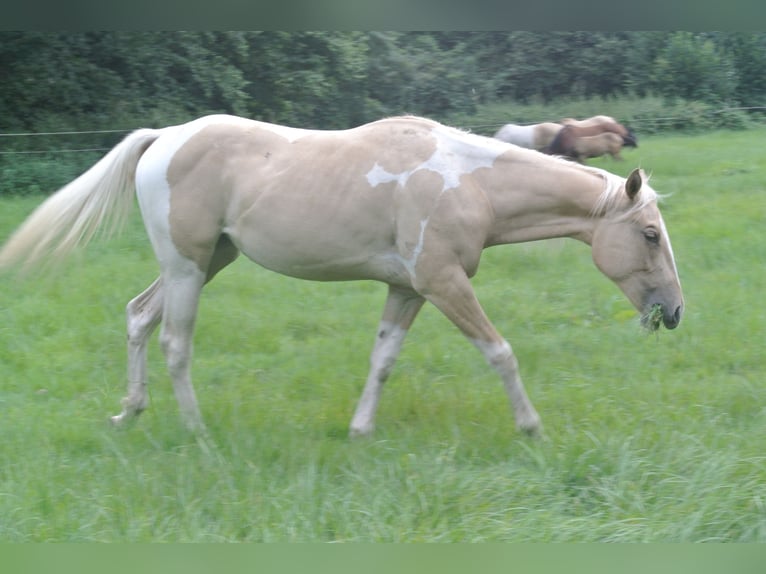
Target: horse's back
point(310, 203)
point(287, 198)
point(588, 122)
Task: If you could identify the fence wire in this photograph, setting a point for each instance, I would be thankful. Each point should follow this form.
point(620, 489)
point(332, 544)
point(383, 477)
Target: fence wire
point(634, 122)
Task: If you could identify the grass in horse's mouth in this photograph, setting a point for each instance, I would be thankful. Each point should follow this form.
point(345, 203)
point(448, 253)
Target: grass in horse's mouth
point(652, 319)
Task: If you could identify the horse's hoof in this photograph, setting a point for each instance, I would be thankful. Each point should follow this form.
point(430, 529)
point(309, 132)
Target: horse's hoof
point(532, 427)
point(532, 432)
point(360, 433)
point(119, 422)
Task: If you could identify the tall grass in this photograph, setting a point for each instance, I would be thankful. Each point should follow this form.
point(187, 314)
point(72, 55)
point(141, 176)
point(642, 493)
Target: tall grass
point(647, 438)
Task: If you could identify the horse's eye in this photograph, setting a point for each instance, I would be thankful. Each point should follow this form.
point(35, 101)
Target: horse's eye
point(652, 235)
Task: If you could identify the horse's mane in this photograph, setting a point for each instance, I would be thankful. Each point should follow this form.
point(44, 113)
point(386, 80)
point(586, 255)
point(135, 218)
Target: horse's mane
point(611, 201)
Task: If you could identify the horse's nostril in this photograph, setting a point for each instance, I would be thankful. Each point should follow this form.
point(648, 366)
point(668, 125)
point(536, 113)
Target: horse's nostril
point(675, 319)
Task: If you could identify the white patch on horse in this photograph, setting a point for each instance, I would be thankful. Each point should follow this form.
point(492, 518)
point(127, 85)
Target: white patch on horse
point(523, 136)
point(412, 261)
point(378, 175)
point(387, 348)
point(666, 238)
point(452, 159)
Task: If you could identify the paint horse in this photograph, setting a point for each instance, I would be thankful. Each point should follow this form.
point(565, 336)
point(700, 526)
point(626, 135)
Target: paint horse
point(535, 136)
point(405, 201)
point(579, 143)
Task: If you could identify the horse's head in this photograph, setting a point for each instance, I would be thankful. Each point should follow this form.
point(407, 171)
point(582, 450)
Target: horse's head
point(631, 246)
point(630, 140)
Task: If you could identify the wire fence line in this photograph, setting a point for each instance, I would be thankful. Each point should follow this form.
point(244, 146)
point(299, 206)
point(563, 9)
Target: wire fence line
point(71, 133)
point(60, 133)
point(43, 151)
point(634, 122)
point(638, 120)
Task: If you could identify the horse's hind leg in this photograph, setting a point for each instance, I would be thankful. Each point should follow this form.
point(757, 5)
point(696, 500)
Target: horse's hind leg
point(143, 315)
point(182, 293)
point(401, 308)
point(183, 285)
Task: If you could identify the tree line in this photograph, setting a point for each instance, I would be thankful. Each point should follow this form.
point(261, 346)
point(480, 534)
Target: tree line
point(328, 79)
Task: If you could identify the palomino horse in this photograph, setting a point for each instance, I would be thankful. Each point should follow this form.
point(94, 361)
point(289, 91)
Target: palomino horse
point(596, 146)
point(405, 201)
point(607, 123)
point(578, 143)
point(581, 148)
point(588, 122)
point(535, 136)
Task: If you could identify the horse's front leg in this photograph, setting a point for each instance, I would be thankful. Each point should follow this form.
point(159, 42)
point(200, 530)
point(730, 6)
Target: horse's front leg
point(450, 290)
point(402, 305)
point(143, 314)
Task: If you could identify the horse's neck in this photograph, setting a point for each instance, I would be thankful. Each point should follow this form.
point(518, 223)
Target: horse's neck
point(533, 202)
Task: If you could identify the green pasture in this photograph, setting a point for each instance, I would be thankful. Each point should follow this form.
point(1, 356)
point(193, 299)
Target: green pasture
point(647, 437)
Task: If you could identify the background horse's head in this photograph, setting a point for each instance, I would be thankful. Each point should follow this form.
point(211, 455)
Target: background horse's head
point(631, 246)
point(630, 140)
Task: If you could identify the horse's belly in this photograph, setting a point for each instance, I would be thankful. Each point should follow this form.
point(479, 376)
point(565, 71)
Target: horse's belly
point(387, 267)
point(319, 245)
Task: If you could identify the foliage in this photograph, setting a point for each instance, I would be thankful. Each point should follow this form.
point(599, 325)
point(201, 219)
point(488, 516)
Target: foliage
point(648, 438)
point(312, 79)
point(90, 81)
point(338, 79)
point(691, 67)
point(41, 173)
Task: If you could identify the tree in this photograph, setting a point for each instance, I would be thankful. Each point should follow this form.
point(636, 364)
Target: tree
point(691, 67)
point(307, 78)
point(325, 79)
point(747, 51)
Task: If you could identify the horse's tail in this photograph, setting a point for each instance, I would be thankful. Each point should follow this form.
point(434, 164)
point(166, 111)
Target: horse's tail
point(100, 197)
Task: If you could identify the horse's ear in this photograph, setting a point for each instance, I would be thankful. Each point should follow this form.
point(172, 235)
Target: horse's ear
point(633, 183)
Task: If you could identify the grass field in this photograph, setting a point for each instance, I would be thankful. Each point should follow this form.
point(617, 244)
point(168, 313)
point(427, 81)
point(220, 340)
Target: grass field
point(647, 437)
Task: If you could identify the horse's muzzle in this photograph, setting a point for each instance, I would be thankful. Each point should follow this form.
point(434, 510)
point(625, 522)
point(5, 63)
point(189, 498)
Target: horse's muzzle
point(671, 321)
point(657, 314)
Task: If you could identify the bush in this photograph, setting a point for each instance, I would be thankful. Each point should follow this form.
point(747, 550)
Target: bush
point(27, 174)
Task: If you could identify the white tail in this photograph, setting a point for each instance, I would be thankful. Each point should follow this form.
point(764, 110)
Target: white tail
point(71, 216)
